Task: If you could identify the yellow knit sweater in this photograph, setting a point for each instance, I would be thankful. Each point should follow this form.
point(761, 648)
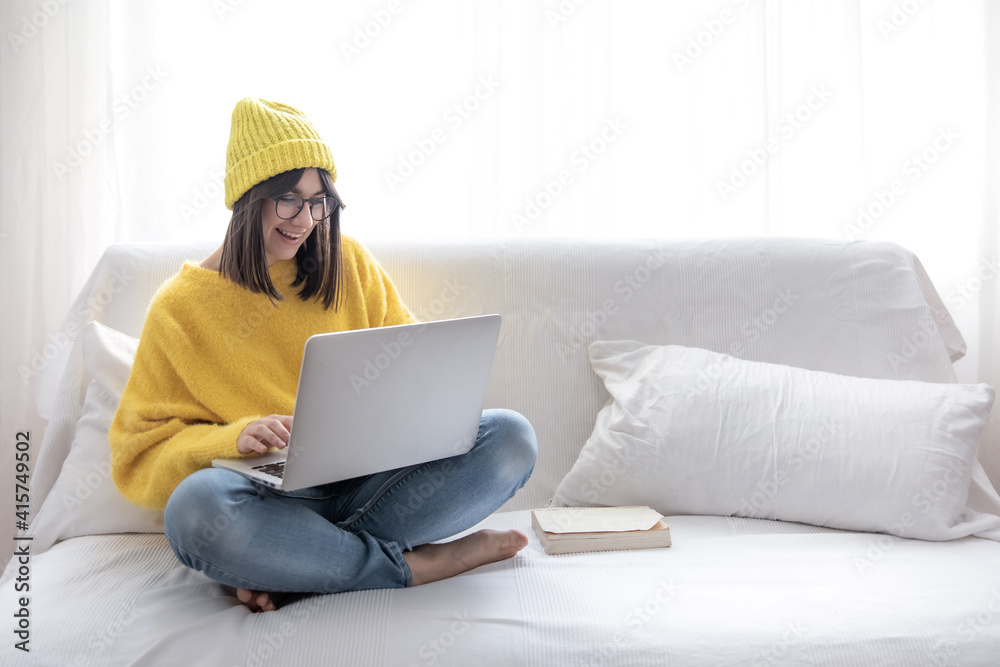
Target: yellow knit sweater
point(214, 356)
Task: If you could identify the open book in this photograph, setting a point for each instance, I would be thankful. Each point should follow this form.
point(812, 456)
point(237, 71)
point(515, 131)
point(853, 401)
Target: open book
point(564, 530)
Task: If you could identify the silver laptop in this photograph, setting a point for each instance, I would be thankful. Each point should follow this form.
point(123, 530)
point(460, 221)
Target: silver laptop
point(377, 399)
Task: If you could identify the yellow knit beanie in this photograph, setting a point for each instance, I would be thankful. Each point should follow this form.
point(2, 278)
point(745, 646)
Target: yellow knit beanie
point(266, 139)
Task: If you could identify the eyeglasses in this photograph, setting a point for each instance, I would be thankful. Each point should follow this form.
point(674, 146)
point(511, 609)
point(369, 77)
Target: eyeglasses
point(288, 206)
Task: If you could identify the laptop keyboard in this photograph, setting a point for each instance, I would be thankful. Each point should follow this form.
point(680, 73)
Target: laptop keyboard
point(277, 469)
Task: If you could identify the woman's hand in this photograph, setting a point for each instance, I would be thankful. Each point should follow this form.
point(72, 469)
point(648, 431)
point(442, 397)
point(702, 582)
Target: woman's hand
point(270, 431)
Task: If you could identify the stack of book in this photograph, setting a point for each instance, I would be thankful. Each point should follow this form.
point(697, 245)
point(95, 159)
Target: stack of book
point(573, 529)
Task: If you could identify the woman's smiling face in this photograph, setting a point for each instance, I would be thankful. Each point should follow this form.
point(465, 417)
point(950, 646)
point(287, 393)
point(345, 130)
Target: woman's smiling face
point(278, 244)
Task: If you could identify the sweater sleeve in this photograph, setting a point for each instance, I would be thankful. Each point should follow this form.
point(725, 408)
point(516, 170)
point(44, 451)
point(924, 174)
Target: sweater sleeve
point(160, 434)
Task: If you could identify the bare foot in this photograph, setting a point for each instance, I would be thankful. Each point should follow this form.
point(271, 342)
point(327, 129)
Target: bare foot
point(431, 562)
point(255, 600)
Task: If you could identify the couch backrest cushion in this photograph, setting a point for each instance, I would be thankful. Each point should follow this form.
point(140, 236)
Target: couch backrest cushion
point(860, 308)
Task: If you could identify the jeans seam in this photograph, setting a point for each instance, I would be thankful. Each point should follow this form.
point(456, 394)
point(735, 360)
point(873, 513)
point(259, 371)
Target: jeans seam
point(405, 568)
point(392, 485)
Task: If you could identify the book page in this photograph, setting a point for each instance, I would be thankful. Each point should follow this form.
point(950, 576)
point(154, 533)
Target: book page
point(596, 519)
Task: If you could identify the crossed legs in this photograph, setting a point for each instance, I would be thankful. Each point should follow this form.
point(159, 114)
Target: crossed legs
point(367, 532)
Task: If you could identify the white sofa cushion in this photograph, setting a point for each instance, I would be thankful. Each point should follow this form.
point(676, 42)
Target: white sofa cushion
point(84, 499)
point(690, 431)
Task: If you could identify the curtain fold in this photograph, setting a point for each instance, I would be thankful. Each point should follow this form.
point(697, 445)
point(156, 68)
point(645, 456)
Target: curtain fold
point(475, 119)
point(988, 300)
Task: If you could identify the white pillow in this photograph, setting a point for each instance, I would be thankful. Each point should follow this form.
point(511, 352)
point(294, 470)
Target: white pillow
point(84, 499)
point(690, 431)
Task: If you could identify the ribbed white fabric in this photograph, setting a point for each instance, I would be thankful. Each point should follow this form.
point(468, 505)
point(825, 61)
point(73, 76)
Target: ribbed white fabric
point(729, 591)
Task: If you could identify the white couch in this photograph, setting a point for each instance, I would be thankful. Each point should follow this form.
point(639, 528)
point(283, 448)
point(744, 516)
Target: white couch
point(731, 590)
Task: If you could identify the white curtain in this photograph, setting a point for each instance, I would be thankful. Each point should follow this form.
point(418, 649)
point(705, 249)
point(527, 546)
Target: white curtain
point(877, 119)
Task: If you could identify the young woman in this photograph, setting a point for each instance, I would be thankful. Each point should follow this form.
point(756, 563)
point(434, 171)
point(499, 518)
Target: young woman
point(215, 376)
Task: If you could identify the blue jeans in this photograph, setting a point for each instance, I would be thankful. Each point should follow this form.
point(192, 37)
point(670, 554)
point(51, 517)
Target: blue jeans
point(347, 535)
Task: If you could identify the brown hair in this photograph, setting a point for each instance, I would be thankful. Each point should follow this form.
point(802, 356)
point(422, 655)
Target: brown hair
point(319, 258)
